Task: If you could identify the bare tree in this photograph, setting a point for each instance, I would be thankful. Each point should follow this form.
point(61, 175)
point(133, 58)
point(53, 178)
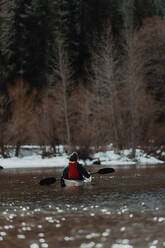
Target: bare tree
point(82, 130)
point(3, 124)
point(49, 120)
point(135, 70)
point(133, 75)
point(63, 69)
point(105, 87)
point(20, 127)
point(150, 40)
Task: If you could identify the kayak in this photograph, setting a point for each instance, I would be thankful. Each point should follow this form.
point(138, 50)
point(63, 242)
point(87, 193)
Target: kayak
point(76, 183)
point(71, 182)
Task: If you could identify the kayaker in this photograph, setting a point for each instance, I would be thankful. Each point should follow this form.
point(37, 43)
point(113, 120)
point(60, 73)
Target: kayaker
point(75, 170)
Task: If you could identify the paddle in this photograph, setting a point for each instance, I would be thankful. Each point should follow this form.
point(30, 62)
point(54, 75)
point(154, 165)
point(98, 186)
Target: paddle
point(51, 180)
point(103, 171)
point(48, 180)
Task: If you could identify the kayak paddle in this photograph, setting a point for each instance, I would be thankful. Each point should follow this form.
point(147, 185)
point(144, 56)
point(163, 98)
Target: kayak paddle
point(47, 181)
point(103, 171)
point(51, 180)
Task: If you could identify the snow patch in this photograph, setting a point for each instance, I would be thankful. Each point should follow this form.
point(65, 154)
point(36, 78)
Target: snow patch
point(34, 160)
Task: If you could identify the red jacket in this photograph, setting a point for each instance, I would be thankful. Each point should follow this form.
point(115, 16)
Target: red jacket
point(73, 170)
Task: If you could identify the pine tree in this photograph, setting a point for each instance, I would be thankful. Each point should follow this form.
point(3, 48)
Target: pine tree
point(160, 7)
point(37, 42)
point(7, 40)
point(94, 17)
point(59, 33)
point(73, 36)
point(144, 9)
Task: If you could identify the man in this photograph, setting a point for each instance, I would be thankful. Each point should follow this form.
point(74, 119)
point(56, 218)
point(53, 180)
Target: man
point(75, 170)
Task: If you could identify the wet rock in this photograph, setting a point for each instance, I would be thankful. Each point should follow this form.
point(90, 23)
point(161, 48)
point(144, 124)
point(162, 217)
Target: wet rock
point(97, 162)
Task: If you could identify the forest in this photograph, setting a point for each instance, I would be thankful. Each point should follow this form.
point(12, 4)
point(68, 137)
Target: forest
point(84, 74)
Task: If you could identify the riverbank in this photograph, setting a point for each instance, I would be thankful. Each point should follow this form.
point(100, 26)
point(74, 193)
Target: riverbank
point(30, 158)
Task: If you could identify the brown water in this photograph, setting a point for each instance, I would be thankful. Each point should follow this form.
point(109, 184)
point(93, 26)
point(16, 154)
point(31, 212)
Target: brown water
point(121, 210)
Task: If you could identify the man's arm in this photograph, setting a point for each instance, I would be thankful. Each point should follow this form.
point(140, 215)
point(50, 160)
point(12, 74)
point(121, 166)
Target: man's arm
point(83, 171)
point(65, 172)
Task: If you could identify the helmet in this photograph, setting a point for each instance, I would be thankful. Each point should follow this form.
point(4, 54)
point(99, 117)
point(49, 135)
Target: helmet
point(73, 156)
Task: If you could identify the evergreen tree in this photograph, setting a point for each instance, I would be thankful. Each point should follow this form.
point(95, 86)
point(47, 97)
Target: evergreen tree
point(73, 36)
point(37, 43)
point(7, 40)
point(144, 9)
point(25, 41)
point(59, 24)
point(160, 7)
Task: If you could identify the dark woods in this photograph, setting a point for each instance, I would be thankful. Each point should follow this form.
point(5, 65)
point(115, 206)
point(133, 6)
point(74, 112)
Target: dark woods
point(82, 73)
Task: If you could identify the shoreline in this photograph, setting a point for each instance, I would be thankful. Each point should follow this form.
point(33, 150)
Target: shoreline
point(103, 158)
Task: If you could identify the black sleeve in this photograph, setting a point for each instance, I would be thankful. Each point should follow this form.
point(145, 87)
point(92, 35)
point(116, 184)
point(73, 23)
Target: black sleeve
point(65, 172)
point(83, 171)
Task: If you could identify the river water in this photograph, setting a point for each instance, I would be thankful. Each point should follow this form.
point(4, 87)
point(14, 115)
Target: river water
point(121, 210)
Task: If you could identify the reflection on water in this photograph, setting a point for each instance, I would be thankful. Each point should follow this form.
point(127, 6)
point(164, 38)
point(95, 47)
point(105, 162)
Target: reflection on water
point(121, 210)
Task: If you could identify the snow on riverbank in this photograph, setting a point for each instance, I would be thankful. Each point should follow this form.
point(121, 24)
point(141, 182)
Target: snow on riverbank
point(106, 158)
point(110, 157)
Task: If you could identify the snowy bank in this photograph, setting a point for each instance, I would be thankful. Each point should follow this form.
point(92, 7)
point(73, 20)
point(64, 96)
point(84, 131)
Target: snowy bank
point(123, 158)
point(34, 161)
point(105, 158)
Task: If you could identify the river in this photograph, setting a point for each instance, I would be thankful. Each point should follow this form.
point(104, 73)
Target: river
point(121, 210)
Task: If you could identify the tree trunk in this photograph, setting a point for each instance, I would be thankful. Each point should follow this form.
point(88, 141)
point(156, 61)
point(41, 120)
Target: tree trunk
point(3, 151)
point(65, 77)
point(17, 151)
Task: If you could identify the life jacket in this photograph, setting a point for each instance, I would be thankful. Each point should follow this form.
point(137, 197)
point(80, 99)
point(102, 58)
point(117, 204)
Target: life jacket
point(73, 171)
